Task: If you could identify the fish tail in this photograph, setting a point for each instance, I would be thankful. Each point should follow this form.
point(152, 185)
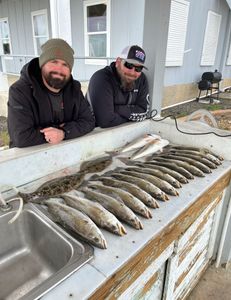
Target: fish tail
point(149, 214)
point(140, 225)
point(122, 230)
point(26, 198)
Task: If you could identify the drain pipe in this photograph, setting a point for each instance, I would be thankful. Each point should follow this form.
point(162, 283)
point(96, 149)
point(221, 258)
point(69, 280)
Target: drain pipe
point(226, 43)
point(223, 234)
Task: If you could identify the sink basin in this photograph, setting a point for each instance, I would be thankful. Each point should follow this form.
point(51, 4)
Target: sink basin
point(36, 254)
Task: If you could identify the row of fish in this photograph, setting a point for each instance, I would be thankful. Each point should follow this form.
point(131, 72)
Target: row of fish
point(127, 192)
point(123, 193)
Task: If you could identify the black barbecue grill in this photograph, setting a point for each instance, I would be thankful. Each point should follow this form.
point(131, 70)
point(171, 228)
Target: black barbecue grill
point(209, 82)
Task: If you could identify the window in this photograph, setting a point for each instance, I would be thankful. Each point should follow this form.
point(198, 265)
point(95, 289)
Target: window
point(40, 29)
point(96, 28)
point(177, 32)
point(5, 46)
point(211, 39)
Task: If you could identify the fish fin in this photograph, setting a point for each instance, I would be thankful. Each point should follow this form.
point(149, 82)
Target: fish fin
point(166, 198)
point(83, 184)
point(94, 177)
point(108, 173)
point(118, 169)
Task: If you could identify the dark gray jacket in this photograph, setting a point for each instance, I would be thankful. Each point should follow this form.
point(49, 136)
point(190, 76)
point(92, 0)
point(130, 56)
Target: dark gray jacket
point(111, 104)
point(29, 109)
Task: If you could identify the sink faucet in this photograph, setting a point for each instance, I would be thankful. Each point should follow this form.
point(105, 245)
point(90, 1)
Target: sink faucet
point(5, 206)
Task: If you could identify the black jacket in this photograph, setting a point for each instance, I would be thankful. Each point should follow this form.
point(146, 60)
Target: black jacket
point(29, 109)
point(111, 104)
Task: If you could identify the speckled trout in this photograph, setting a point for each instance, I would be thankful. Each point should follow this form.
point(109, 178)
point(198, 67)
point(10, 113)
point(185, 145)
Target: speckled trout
point(118, 208)
point(160, 183)
point(132, 202)
point(200, 150)
point(168, 170)
point(192, 169)
point(191, 161)
point(76, 221)
point(151, 170)
point(203, 158)
point(159, 176)
point(172, 166)
point(143, 184)
point(143, 196)
point(101, 216)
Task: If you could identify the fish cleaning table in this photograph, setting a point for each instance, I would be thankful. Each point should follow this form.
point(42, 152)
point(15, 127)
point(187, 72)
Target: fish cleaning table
point(166, 258)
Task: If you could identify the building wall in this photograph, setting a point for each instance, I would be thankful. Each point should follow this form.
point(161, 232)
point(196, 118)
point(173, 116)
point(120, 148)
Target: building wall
point(123, 32)
point(19, 18)
point(127, 25)
point(180, 83)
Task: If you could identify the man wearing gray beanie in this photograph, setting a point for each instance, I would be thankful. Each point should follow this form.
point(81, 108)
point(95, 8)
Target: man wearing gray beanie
point(46, 104)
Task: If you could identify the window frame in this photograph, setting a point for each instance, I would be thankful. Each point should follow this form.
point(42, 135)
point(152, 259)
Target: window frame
point(9, 38)
point(33, 14)
point(96, 61)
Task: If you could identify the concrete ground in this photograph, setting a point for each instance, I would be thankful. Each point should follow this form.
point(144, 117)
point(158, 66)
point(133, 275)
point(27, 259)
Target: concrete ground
point(215, 284)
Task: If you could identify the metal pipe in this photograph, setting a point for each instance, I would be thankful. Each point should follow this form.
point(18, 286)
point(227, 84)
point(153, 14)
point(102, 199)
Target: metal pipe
point(223, 234)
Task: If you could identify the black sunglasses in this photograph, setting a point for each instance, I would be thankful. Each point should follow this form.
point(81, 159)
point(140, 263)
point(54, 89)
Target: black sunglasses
point(131, 66)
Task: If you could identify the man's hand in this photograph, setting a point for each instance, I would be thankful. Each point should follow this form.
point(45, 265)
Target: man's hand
point(53, 135)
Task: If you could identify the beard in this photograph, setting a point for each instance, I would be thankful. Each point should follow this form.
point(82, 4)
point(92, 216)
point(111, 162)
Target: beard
point(54, 82)
point(127, 80)
point(127, 85)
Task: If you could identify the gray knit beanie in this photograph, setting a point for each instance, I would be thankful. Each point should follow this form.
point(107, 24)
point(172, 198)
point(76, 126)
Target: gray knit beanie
point(56, 49)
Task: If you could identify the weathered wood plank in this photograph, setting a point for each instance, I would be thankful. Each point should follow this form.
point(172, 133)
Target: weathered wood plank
point(143, 282)
point(199, 254)
point(196, 231)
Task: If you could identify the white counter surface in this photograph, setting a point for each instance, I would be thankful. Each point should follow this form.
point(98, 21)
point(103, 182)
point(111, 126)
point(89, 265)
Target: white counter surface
point(21, 166)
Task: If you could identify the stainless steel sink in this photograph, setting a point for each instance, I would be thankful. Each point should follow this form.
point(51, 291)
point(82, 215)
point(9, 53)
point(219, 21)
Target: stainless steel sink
point(36, 254)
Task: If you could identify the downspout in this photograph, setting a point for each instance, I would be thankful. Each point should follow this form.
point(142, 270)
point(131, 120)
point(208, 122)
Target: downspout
point(226, 43)
point(60, 16)
point(224, 233)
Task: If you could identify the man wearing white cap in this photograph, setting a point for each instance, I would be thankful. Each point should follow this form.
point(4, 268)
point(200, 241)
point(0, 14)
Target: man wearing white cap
point(46, 104)
point(119, 93)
